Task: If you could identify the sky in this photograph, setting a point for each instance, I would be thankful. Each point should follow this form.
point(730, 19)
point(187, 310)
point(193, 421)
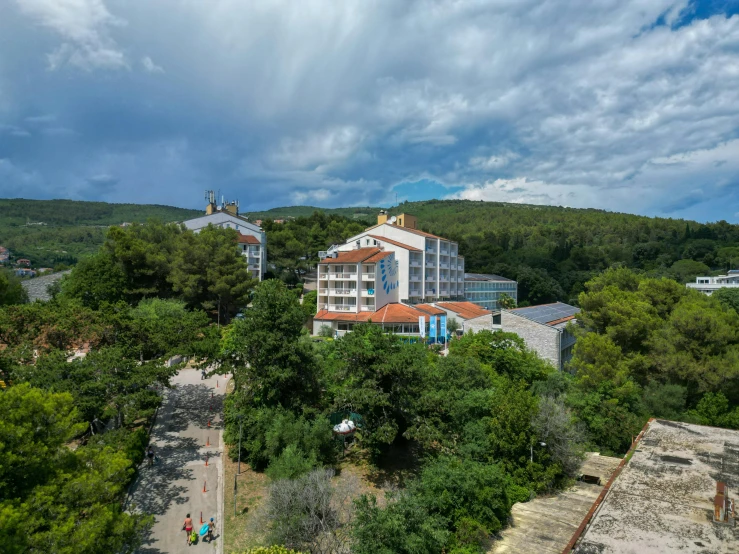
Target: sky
point(623, 105)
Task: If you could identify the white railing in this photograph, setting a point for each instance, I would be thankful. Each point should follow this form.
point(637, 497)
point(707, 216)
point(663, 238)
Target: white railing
point(430, 293)
point(415, 263)
point(323, 291)
point(444, 292)
point(370, 292)
point(343, 307)
point(348, 292)
point(368, 308)
point(444, 265)
point(415, 277)
point(430, 278)
point(344, 276)
point(430, 264)
point(414, 292)
point(368, 276)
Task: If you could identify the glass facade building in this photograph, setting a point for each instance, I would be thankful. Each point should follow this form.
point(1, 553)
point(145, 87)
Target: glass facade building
point(485, 290)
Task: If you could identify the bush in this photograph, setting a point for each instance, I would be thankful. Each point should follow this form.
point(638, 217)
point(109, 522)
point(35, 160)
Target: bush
point(291, 463)
point(326, 331)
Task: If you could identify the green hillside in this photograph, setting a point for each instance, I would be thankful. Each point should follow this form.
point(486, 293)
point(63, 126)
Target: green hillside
point(53, 232)
point(285, 212)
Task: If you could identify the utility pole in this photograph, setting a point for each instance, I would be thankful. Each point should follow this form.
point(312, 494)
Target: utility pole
point(241, 423)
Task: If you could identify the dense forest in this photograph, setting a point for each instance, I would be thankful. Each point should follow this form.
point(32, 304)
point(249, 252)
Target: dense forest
point(550, 251)
point(61, 232)
point(465, 435)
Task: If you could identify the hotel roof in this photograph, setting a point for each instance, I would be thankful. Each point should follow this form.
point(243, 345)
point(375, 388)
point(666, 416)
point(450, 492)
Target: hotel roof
point(394, 312)
point(548, 314)
point(414, 231)
point(396, 243)
point(248, 239)
point(485, 277)
point(359, 255)
point(465, 310)
point(662, 499)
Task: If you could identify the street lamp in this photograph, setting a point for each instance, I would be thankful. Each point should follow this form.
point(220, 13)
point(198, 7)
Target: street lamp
point(532, 450)
point(241, 423)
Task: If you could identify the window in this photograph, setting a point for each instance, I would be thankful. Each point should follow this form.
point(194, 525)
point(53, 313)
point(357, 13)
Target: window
point(237, 226)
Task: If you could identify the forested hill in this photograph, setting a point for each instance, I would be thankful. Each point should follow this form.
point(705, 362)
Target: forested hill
point(550, 250)
point(59, 232)
point(285, 212)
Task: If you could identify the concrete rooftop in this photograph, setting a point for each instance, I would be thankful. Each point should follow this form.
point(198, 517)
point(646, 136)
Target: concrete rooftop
point(662, 501)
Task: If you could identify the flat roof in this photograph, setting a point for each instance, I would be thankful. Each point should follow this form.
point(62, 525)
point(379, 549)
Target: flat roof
point(662, 500)
point(486, 277)
point(545, 524)
point(548, 314)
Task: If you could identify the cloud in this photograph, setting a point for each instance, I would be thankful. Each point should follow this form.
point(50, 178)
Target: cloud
point(627, 106)
point(150, 66)
point(84, 25)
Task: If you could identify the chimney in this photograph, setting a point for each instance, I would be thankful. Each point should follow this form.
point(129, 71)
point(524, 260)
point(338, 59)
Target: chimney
point(723, 506)
point(382, 217)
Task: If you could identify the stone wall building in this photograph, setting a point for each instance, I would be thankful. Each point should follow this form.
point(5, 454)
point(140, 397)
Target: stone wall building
point(544, 329)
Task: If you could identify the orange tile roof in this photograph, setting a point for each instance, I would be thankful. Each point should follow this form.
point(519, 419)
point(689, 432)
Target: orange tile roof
point(429, 309)
point(561, 320)
point(396, 243)
point(465, 310)
point(352, 257)
point(248, 239)
point(377, 257)
point(394, 312)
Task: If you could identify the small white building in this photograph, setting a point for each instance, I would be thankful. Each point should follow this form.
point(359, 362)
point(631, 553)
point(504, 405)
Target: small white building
point(252, 239)
point(708, 285)
point(544, 330)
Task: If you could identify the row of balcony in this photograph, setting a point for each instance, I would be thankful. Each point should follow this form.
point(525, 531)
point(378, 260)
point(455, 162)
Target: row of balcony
point(346, 276)
point(348, 307)
point(345, 292)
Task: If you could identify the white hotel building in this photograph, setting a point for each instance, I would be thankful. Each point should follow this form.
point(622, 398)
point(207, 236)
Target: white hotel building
point(708, 285)
point(430, 267)
point(252, 239)
point(390, 274)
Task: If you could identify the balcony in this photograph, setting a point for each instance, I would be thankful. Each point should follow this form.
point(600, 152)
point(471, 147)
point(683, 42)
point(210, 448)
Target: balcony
point(414, 277)
point(368, 308)
point(415, 263)
point(352, 276)
point(368, 292)
point(414, 292)
point(430, 292)
point(460, 266)
point(443, 292)
point(445, 265)
point(430, 264)
point(430, 278)
point(368, 276)
point(323, 292)
point(344, 292)
point(342, 307)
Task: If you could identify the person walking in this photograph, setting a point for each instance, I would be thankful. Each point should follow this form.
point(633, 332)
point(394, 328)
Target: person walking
point(211, 528)
point(150, 455)
point(187, 527)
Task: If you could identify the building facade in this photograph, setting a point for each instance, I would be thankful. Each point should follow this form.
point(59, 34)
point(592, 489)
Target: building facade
point(485, 290)
point(708, 285)
point(429, 267)
point(544, 330)
point(252, 241)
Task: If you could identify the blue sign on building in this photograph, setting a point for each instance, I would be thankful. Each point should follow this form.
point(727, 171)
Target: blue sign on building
point(442, 324)
point(432, 329)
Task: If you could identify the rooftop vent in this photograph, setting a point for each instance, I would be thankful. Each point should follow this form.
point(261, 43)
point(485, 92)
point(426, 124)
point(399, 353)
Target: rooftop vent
point(723, 506)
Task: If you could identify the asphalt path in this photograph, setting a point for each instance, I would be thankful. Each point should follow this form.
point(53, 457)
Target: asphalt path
point(188, 420)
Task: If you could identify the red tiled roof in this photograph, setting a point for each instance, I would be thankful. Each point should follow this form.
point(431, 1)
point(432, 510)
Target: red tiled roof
point(561, 320)
point(396, 243)
point(248, 239)
point(429, 309)
point(389, 313)
point(353, 256)
point(377, 257)
point(465, 310)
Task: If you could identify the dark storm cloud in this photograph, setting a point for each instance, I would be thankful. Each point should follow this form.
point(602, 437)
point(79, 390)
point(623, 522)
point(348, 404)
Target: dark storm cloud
point(622, 106)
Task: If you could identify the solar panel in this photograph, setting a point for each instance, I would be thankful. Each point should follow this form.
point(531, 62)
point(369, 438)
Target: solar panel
point(548, 312)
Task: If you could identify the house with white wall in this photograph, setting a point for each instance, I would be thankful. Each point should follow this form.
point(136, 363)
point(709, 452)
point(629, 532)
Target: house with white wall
point(708, 285)
point(252, 240)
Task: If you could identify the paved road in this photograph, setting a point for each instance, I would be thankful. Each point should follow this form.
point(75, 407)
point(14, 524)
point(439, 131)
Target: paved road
point(174, 486)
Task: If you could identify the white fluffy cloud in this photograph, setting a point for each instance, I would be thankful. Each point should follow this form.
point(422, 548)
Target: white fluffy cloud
point(626, 105)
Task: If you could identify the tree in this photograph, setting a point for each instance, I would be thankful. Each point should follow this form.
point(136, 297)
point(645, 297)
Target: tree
point(209, 272)
point(452, 325)
point(555, 426)
point(685, 271)
point(96, 280)
point(506, 301)
point(11, 290)
point(265, 352)
point(311, 513)
point(728, 297)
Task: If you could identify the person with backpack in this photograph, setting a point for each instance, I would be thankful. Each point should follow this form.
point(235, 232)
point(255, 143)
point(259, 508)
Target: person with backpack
point(211, 528)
